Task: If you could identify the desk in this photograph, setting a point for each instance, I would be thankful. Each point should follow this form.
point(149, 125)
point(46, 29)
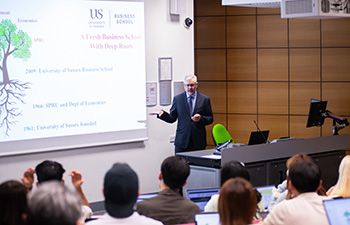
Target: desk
point(266, 162)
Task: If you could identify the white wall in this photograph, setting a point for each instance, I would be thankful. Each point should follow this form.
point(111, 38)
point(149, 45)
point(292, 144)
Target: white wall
point(164, 38)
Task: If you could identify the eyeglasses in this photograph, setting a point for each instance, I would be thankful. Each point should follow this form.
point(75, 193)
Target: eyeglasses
point(190, 85)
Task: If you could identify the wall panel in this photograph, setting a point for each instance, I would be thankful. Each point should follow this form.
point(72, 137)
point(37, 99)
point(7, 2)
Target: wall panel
point(241, 64)
point(338, 97)
point(208, 8)
point(242, 97)
point(241, 31)
point(278, 125)
point(335, 33)
point(273, 68)
point(272, 31)
point(217, 93)
point(335, 64)
point(210, 64)
point(298, 128)
point(304, 33)
point(300, 95)
point(273, 64)
point(210, 32)
point(273, 98)
point(304, 64)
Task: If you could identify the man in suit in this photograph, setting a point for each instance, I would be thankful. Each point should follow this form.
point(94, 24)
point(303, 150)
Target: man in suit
point(193, 111)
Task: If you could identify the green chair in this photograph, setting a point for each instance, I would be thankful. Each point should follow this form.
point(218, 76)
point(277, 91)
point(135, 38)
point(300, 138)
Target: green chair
point(220, 134)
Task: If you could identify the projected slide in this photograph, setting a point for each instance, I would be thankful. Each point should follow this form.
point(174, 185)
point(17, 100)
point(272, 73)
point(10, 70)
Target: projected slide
point(72, 68)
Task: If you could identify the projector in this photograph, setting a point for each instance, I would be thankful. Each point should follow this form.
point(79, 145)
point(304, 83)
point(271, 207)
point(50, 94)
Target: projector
point(318, 9)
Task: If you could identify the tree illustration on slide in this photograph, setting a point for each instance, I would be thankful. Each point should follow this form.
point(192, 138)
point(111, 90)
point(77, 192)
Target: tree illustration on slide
point(13, 43)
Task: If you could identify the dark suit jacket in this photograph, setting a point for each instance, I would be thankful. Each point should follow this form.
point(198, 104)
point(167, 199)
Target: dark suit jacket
point(188, 131)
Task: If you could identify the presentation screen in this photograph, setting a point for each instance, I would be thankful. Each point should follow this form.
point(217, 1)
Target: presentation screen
point(72, 74)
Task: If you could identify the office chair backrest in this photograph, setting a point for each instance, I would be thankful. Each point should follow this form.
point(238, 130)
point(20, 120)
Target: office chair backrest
point(220, 134)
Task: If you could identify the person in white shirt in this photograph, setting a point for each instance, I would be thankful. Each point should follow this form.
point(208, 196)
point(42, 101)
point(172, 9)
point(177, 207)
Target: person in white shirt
point(231, 169)
point(120, 189)
point(305, 205)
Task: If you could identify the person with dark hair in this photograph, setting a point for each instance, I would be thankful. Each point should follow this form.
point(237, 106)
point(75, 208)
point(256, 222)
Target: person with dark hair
point(13, 203)
point(49, 170)
point(281, 192)
point(237, 202)
point(305, 205)
point(51, 203)
point(231, 169)
point(169, 206)
point(120, 189)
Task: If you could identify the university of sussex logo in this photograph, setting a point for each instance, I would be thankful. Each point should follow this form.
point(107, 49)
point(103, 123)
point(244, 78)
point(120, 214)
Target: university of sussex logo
point(96, 13)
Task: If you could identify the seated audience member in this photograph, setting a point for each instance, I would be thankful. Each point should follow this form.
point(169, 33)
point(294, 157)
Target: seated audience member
point(231, 169)
point(342, 187)
point(281, 192)
point(237, 202)
point(54, 204)
point(120, 189)
point(305, 205)
point(169, 206)
point(13, 203)
point(51, 170)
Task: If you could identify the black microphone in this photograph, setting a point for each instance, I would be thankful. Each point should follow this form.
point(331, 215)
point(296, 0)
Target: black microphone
point(257, 127)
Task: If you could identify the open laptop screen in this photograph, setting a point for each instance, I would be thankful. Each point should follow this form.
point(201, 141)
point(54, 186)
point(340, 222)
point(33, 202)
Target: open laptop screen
point(266, 194)
point(338, 211)
point(258, 137)
point(207, 219)
point(201, 196)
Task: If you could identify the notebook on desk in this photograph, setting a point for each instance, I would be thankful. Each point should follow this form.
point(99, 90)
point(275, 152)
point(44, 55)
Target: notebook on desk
point(207, 218)
point(200, 196)
point(338, 211)
point(258, 137)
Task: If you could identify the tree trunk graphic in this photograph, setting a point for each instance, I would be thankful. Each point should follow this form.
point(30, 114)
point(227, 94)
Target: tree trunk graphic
point(13, 43)
point(5, 74)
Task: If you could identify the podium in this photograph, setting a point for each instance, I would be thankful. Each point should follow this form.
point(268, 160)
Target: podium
point(266, 162)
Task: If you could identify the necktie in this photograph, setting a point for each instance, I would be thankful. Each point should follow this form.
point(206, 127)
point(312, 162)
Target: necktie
point(190, 101)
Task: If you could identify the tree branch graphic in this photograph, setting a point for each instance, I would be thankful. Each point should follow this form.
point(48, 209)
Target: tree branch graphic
point(15, 43)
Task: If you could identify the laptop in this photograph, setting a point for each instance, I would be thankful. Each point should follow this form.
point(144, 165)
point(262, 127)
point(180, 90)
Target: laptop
point(338, 211)
point(266, 196)
point(258, 137)
point(207, 218)
point(144, 196)
point(201, 196)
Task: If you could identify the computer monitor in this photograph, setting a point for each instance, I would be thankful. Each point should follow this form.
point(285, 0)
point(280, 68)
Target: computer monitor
point(338, 211)
point(316, 113)
point(258, 137)
point(201, 196)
